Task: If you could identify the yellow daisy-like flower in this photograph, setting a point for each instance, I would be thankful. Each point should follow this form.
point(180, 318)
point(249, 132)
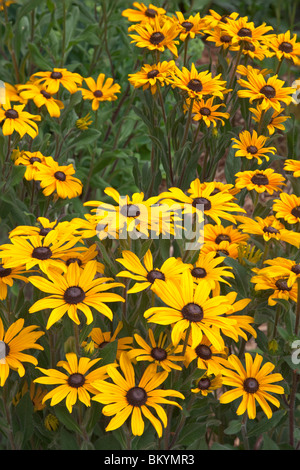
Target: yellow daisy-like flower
point(219, 37)
point(208, 358)
point(36, 395)
point(243, 322)
point(100, 90)
point(41, 97)
point(39, 251)
point(188, 305)
point(101, 338)
point(208, 112)
point(278, 284)
point(214, 19)
point(253, 382)
point(216, 234)
point(207, 384)
point(75, 384)
point(30, 159)
point(260, 181)
point(13, 118)
point(77, 289)
point(276, 121)
point(224, 248)
point(151, 76)
point(285, 46)
point(124, 397)
point(241, 30)
point(143, 13)
point(287, 208)
point(189, 27)
point(147, 275)
point(82, 255)
point(269, 228)
point(286, 268)
point(7, 276)
point(84, 123)
point(14, 341)
point(292, 165)
point(12, 93)
point(157, 352)
point(254, 50)
point(252, 146)
point(271, 93)
point(43, 228)
point(58, 179)
point(59, 76)
point(198, 84)
point(156, 36)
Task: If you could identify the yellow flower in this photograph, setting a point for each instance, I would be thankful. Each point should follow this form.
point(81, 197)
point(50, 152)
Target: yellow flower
point(292, 165)
point(101, 338)
point(151, 76)
point(7, 276)
point(207, 384)
point(216, 234)
point(15, 119)
point(287, 208)
point(100, 90)
point(208, 112)
point(143, 14)
point(59, 76)
point(276, 121)
point(253, 383)
point(84, 122)
point(260, 180)
point(189, 27)
point(278, 284)
point(241, 30)
point(286, 268)
point(30, 159)
point(285, 46)
point(252, 146)
point(214, 19)
point(41, 97)
point(206, 355)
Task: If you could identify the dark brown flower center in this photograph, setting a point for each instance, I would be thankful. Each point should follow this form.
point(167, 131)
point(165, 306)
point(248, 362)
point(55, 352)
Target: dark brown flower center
point(154, 274)
point(249, 47)
point(195, 85)
point(296, 269)
point(152, 73)
point(202, 201)
point(268, 91)
point(60, 176)
point(130, 210)
point(281, 284)
point(98, 94)
point(205, 111)
point(7, 349)
point(44, 231)
point(56, 75)
point(11, 114)
point(104, 343)
point(42, 253)
point(251, 385)
point(286, 47)
point(225, 38)
point(46, 94)
point(187, 25)
point(34, 160)
point(203, 351)
point(270, 230)
point(245, 32)
point(159, 354)
point(252, 149)
point(156, 38)
point(204, 383)
point(74, 295)
point(151, 13)
point(296, 211)
point(4, 272)
point(260, 179)
point(198, 273)
point(76, 380)
point(224, 18)
point(192, 312)
point(74, 260)
point(136, 396)
point(222, 238)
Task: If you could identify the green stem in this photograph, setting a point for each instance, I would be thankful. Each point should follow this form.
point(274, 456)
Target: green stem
point(244, 432)
point(168, 136)
point(188, 122)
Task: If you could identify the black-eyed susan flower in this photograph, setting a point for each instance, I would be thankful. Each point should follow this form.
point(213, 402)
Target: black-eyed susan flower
point(253, 382)
point(190, 26)
point(210, 270)
point(76, 290)
point(157, 36)
point(251, 145)
point(101, 338)
point(188, 306)
point(208, 112)
point(270, 228)
point(285, 46)
point(218, 233)
point(283, 267)
point(36, 394)
point(277, 284)
point(146, 275)
point(152, 76)
point(82, 255)
point(241, 30)
point(207, 384)
point(12, 93)
point(76, 383)
point(224, 248)
point(42, 227)
point(243, 322)
point(58, 76)
point(84, 123)
point(100, 90)
point(37, 251)
point(214, 19)
point(219, 37)
point(287, 208)
point(41, 97)
point(292, 165)
point(15, 340)
point(270, 92)
point(58, 179)
point(125, 397)
point(14, 118)
point(29, 160)
point(254, 50)
point(158, 352)
point(7, 277)
point(208, 358)
point(198, 84)
point(276, 121)
point(260, 181)
point(142, 13)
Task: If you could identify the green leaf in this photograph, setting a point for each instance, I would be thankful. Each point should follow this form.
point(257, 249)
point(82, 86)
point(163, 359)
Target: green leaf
point(25, 411)
point(66, 419)
point(108, 353)
point(234, 427)
point(267, 424)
